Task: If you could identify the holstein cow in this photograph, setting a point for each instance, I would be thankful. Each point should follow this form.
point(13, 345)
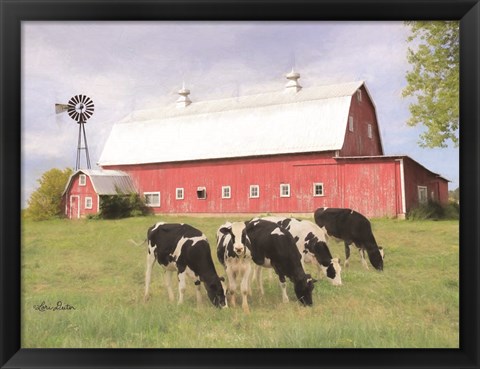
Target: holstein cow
point(183, 249)
point(351, 227)
point(273, 246)
point(311, 243)
point(233, 252)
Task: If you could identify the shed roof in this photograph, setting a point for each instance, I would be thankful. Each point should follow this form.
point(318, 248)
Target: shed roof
point(106, 182)
point(311, 120)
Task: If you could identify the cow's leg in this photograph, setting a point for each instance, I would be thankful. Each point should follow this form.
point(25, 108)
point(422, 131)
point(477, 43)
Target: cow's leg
point(198, 292)
point(181, 286)
point(283, 286)
point(232, 285)
point(168, 283)
point(347, 254)
point(148, 272)
point(362, 257)
point(245, 287)
point(259, 276)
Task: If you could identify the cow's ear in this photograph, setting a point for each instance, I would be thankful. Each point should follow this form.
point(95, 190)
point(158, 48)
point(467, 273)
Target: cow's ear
point(227, 227)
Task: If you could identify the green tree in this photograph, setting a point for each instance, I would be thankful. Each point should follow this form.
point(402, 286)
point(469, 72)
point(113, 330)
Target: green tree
point(433, 80)
point(46, 201)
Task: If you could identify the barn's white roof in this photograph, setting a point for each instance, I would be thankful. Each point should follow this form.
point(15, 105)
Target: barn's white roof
point(311, 120)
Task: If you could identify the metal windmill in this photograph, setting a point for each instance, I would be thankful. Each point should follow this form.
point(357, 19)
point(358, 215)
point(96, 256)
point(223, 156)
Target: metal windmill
point(80, 108)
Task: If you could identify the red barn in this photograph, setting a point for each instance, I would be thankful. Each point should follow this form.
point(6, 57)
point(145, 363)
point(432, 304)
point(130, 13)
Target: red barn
point(85, 187)
point(289, 151)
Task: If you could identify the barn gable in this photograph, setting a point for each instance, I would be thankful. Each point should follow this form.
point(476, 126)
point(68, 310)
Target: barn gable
point(309, 120)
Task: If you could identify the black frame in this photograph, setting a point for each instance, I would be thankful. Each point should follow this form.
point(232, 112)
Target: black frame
point(14, 12)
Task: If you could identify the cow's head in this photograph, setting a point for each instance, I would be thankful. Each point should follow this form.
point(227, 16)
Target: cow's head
point(239, 238)
point(376, 256)
point(303, 289)
point(216, 292)
point(333, 272)
point(329, 266)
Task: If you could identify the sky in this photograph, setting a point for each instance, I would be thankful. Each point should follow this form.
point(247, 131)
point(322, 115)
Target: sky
point(125, 66)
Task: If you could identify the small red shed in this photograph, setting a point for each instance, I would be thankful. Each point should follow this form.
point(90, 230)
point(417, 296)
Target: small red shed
point(289, 151)
point(85, 187)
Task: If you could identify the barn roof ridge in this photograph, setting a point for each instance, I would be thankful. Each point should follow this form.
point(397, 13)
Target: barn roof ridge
point(271, 98)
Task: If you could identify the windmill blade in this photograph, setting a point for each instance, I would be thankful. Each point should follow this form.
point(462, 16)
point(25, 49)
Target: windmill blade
point(61, 108)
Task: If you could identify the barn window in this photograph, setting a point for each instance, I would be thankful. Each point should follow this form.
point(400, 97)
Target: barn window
point(254, 191)
point(318, 189)
point(88, 203)
point(152, 199)
point(422, 194)
point(226, 192)
point(284, 190)
point(369, 128)
point(179, 195)
point(350, 123)
point(201, 193)
point(82, 180)
point(359, 95)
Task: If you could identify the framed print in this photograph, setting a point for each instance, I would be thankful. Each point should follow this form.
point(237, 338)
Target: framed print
point(181, 129)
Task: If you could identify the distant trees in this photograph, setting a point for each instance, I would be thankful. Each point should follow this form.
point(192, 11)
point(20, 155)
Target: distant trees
point(434, 80)
point(46, 201)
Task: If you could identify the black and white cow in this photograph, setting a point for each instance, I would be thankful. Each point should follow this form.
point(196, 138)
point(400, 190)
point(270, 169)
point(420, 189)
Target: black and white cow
point(183, 249)
point(233, 252)
point(311, 243)
point(351, 227)
point(272, 246)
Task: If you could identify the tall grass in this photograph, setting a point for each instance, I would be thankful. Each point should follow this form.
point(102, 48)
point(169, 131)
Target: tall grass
point(91, 266)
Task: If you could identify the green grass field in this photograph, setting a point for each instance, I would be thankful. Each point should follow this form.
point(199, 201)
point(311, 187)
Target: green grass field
point(90, 265)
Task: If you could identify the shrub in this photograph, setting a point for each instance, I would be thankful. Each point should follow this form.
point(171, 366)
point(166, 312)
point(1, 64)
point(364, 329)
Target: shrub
point(122, 206)
point(434, 211)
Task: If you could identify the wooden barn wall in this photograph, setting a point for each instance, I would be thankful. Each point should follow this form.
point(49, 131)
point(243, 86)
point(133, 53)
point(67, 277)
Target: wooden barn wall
point(345, 185)
point(372, 187)
point(416, 175)
point(300, 171)
point(83, 192)
point(357, 143)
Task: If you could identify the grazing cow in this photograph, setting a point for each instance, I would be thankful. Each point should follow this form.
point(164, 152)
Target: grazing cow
point(351, 227)
point(183, 249)
point(273, 246)
point(310, 240)
point(233, 252)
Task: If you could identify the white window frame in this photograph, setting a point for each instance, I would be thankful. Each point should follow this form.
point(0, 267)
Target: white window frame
point(422, 199)
point(369, 130)
point(152, 205)
point(350, 123)
point(254, 187)
point(315, 189)
point(287, 187)
point(204, 189)
point(179, 193)
point(87, 204)
point(226, 192)
point(82, 180)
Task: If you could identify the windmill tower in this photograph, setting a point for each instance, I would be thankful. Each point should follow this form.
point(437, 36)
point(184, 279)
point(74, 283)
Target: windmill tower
point(80, 108)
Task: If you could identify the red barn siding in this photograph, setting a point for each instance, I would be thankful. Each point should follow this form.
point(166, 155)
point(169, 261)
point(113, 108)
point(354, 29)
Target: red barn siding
point(373, 188)
point(357, 143)
point(416, 175)
point(81, 193)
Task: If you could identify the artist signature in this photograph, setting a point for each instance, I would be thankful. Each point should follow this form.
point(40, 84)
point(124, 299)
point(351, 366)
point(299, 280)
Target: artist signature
point(60, 306)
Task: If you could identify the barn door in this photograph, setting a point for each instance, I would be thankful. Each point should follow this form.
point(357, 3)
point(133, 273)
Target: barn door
point(74, 207)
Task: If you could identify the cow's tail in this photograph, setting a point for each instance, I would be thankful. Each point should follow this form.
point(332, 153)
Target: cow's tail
point(138, 244)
